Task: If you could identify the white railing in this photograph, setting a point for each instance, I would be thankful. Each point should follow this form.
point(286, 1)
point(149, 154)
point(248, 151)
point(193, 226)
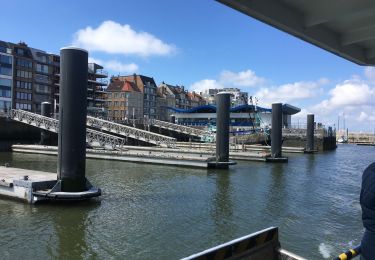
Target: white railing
point(175, 127)
point(131, 132)
point(93, 137)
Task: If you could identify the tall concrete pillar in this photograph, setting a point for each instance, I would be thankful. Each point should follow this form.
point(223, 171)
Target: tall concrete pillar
point(276, 131)
point(222, 127)
point(45, 136)
point(72, 117)
point(310, 133)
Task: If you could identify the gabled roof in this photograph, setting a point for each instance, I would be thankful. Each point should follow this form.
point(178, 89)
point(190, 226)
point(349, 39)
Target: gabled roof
point(122, 86)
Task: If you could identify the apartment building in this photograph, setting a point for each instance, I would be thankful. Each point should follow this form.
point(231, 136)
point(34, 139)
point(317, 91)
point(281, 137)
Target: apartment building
point(148, 87)
point(6, 79)
point(238, 97)
point(124, 100)
point(164, 99)
point(34, 76)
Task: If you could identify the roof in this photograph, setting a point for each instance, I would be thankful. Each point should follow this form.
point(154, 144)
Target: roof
point(212, 109)
point(122, 86)
point(345, 28)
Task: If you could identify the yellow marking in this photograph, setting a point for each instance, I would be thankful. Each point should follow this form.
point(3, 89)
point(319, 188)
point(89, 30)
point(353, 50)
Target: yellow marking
point(343, 256)
point(354, 253)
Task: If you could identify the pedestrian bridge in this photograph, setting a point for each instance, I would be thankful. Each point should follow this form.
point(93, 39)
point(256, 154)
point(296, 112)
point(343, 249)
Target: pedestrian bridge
point(177, 128)
point(95, 137)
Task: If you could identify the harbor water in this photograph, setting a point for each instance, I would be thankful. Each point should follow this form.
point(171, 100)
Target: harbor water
point(164, 212)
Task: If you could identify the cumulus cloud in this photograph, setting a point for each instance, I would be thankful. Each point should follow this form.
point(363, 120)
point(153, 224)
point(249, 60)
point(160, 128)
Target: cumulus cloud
point(204, 84)
point(246, 78)
point(116, 66)
point(229, 79)
point(350, 93)
point(289, 92)
point(114, 38)
point(370, 74)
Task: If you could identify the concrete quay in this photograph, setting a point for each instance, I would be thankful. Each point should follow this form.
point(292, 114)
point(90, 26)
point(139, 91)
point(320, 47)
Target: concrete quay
point(155, 155)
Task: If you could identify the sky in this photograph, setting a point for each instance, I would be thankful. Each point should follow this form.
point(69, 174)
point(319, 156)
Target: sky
point(200, 44)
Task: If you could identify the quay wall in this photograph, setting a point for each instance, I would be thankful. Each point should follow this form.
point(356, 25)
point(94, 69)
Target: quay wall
point(297, 138)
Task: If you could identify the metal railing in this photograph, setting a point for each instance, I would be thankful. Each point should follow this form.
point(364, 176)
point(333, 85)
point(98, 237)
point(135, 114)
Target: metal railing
point(93, 137)
point(131, 132)
point(175, 127)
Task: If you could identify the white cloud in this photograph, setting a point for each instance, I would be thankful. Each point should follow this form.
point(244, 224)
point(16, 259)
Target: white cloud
point(114, 38)
point(289, 92)
point(245, 78)
point(228, 79)
point(204, 84)
point(370, 74)
point(350, 93)
point(116, 66)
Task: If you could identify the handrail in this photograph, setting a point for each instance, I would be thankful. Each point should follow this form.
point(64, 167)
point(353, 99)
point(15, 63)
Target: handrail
point(175, 127)
point(52, 125)
point(131, 132)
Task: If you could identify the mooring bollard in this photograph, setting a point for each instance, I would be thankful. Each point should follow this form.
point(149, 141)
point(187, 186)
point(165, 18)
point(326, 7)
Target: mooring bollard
point(276, 132)
point(72, 116)
point(222, 127)
point(45, 136)
point(310, 133)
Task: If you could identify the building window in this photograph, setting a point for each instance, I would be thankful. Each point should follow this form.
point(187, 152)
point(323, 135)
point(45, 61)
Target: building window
point(42, 89)
point(41, 68)
point(24, 74)
point(23, 106)
point(5, 71)
point(5, 59)
point(5, 92)
point(41, 78)
point(24, 63)
point(23, 96)
point(23, 84)
point(20, 52)
point(109, 95)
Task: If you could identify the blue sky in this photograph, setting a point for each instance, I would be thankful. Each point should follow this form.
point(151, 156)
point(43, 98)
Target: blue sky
point(199, 44)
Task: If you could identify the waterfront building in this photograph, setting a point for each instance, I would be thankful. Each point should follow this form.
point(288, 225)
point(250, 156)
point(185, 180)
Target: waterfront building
point(6, 79)
point(164, 99)
point(124, 100)
point(238, 97)
point(34, 78)
point(148, 87)
point(195, 100)
point(243, 116)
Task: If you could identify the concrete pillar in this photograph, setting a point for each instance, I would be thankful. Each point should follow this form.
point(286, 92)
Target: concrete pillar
point(310, 133)
point(276, 131)
point(72, 116)
point(222, 126)
point(45, 136)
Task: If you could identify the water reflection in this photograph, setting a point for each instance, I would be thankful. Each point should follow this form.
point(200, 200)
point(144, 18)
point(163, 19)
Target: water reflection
point(222, 203)
point(70, 220)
